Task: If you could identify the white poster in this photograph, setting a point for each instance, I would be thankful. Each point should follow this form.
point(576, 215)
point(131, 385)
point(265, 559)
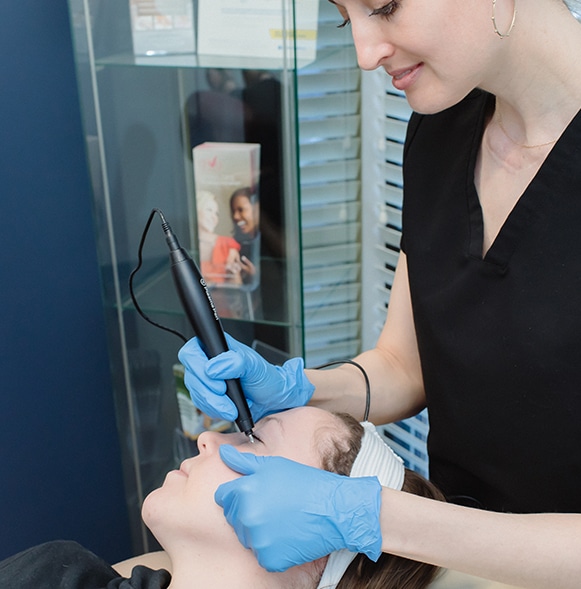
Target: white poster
point(227, 179)
point(162, 27)
point(258, 28)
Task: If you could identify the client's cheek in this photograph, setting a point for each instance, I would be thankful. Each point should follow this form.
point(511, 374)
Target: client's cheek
point(218, 473)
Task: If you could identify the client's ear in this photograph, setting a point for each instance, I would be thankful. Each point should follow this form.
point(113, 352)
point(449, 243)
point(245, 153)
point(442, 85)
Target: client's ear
point(318, 566)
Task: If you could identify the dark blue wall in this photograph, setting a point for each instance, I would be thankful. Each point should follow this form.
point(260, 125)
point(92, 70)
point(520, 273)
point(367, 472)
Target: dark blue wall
point(60, 470)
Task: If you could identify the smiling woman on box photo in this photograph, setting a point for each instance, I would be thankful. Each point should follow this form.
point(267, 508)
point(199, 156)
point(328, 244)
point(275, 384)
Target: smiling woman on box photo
point(483, 324)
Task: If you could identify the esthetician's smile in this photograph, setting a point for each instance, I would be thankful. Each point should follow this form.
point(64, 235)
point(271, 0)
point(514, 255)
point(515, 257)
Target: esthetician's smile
point(403, 78)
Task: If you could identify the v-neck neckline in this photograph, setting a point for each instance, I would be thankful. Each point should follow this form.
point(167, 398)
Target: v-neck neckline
point(529, 207)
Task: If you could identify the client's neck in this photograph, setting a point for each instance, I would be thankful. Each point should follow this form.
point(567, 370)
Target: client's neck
point(225, 570)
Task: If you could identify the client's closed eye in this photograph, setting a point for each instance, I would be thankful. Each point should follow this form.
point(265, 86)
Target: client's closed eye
point(257, 438)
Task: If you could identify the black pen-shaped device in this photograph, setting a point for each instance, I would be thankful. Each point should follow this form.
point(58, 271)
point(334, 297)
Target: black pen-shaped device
point(201, 311)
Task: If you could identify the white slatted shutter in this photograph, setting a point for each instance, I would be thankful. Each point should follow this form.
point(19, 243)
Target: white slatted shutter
point(385, 117)
point(351, 133)
point(329, 100)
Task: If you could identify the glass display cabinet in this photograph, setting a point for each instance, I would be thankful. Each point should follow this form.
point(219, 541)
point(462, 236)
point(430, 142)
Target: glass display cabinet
point(240, 122)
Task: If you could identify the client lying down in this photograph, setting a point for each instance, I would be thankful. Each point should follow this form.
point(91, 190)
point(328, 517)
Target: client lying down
point(204, 550)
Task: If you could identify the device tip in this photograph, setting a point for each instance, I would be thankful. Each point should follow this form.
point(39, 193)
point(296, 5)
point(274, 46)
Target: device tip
point(251, 437)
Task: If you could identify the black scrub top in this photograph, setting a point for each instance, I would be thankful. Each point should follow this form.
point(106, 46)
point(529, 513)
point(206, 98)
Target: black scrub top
point(499, 337)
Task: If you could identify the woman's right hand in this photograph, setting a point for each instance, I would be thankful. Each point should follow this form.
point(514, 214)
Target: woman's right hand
point(248, 267)
point(268, 388)
point(289, 513)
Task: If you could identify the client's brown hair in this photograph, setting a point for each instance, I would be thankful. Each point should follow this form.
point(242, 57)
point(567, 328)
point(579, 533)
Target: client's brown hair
point(390, 571)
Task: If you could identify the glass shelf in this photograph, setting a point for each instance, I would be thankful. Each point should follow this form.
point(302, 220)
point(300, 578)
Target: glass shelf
point(155, 294)
point(196, 61)
point(143, 117)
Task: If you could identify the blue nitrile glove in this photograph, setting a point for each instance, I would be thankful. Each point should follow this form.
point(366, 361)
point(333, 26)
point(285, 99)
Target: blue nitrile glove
point(268, 388)
point(288, 513)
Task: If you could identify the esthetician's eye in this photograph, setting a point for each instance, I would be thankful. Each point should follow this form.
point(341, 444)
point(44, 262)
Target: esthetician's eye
point(343, 13)
point(387, 10)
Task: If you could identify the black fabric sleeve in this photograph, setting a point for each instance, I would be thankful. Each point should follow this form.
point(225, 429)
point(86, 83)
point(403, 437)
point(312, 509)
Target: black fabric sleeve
point(67, 565)
point(142, 578)
point(412, 127)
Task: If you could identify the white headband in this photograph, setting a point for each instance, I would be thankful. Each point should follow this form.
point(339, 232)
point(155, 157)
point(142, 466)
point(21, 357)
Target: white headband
point(375, 458)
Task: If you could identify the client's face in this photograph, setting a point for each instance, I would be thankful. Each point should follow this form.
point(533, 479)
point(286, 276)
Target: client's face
point(183, 509)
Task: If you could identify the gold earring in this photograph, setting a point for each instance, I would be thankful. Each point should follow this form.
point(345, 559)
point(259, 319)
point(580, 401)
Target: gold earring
point(502, 35)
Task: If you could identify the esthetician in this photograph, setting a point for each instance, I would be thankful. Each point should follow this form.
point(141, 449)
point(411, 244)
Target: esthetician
point(484, 322)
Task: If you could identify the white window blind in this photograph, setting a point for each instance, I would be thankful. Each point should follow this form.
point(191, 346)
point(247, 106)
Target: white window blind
point(329, 100)
point(385, 114)
point(351, 132)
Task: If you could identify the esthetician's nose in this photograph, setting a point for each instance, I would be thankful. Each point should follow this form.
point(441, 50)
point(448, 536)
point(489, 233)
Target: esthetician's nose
point(372, 47)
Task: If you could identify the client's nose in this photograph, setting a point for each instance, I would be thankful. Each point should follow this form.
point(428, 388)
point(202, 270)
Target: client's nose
point(210, 441)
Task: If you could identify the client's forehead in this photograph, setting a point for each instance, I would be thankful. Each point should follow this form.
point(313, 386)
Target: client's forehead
point(300, 430)
point(301, 421)
point(302, 417)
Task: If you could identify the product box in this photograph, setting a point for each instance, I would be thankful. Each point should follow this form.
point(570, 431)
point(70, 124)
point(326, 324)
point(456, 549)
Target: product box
point(227, 209)
point(162, 27)
point(257, 29)
point(193, 421)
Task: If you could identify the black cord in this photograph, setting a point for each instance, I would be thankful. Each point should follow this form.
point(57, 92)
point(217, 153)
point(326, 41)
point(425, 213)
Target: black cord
point(184, 339)
point(134, 272)
point(367, 385)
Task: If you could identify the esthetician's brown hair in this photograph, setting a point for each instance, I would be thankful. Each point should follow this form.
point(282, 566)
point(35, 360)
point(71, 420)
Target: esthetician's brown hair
point(389, 572)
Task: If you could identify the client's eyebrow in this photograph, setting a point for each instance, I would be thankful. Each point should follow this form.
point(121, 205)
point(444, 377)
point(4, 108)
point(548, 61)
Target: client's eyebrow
point(269, 418)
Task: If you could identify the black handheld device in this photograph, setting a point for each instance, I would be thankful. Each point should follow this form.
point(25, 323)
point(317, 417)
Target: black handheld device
point(201, 312)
